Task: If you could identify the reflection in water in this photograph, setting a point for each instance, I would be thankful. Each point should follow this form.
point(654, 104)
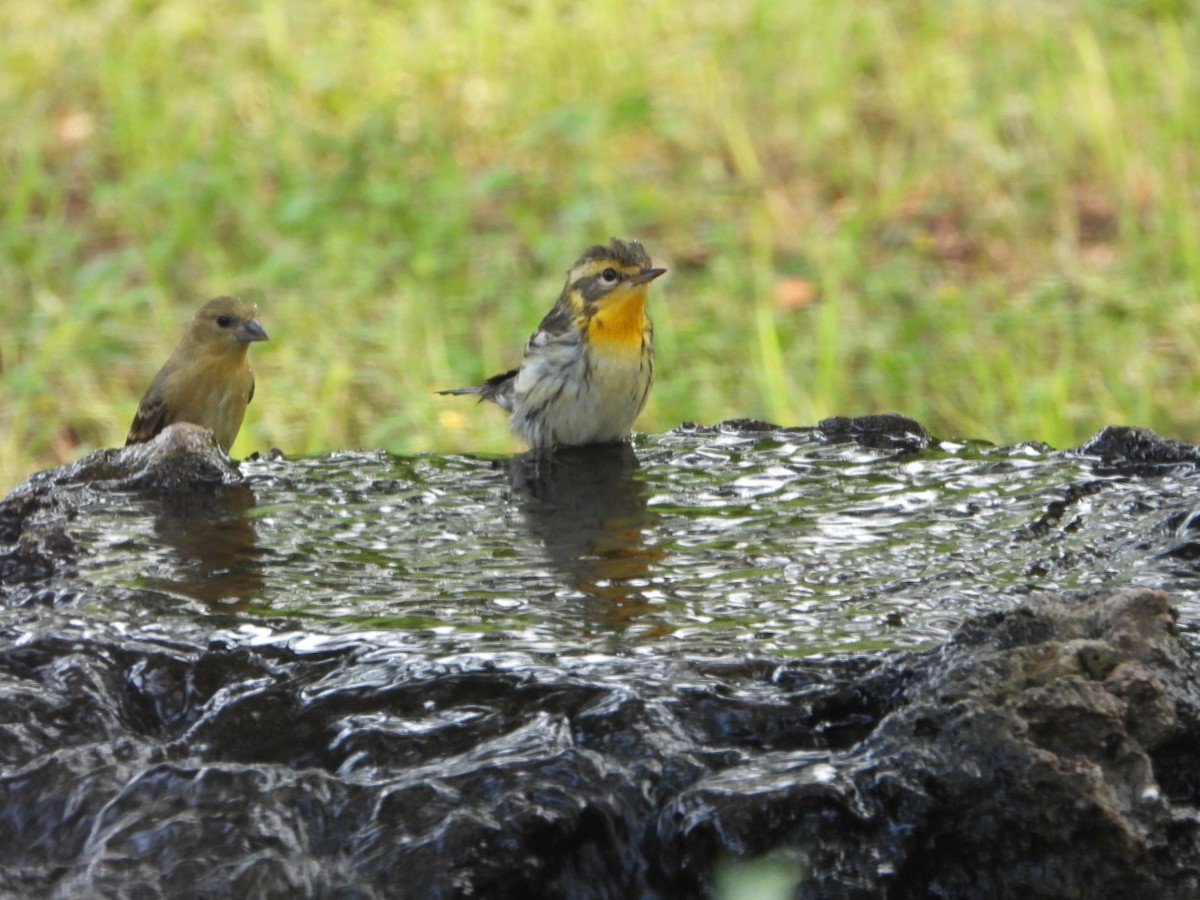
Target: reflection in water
point(213, 545)
point(590, 510)
point(764, 543)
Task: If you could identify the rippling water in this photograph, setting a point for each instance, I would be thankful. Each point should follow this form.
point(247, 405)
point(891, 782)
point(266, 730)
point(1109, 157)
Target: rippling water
point(370, 676)
point(698, 541)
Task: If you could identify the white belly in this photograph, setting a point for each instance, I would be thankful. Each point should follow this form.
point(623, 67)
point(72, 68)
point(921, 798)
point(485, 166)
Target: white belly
point(556, 403)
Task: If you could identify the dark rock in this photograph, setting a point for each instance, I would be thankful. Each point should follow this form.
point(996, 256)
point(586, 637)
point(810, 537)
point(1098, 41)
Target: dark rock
point(181, 455)
point(1122, 445)
point(1035, 755)
point(35, 542)
point(1043, 752)
point(885, 431)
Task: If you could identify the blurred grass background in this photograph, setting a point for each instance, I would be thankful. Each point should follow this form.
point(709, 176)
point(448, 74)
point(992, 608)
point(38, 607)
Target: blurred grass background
point(984, 215)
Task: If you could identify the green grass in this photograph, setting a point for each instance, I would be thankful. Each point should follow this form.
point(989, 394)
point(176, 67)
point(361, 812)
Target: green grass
point(984, 215)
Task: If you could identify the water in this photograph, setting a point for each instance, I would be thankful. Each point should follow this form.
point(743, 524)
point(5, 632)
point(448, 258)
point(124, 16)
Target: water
point(692, 543)
point(585, 675)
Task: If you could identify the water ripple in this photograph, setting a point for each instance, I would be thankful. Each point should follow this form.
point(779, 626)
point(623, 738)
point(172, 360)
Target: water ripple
point(693, 542)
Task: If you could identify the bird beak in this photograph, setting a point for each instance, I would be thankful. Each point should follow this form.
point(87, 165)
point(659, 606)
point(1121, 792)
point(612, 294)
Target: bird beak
point(646, 276)
point(251, 331)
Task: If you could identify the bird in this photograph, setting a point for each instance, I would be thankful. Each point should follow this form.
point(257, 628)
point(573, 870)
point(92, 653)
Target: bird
point(589, 365)
point(207, 380)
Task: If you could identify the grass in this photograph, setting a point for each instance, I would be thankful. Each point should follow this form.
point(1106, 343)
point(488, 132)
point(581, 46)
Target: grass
point(986, 216)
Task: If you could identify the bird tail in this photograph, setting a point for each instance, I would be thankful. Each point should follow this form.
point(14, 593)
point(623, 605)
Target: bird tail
point(498, 389)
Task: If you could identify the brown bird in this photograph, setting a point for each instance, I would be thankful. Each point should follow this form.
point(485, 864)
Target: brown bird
point(208, 380)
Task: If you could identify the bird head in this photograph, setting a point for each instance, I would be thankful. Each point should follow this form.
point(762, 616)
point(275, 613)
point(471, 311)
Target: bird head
point(226, 323)
point(610, 276)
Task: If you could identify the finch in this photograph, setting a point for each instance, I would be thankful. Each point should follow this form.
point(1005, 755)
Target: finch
point(589, 366)
point(208, 380)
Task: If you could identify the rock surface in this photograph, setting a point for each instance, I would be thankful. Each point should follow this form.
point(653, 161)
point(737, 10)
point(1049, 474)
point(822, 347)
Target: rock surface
point(1044, 752)
point(1048, 750)
point(1125, 445)
point(1038, 754)
point(35, 542)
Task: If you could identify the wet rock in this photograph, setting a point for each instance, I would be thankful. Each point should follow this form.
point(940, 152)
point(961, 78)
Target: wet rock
point(35, 542)
point(267, 740)
point(1047, 751)
point(885, 431)
point(181, 455)
point(1123, 445)
point(1035, 755)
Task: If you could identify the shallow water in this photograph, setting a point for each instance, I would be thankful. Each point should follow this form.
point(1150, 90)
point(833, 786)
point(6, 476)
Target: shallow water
point(693, 542)
point(578, 675)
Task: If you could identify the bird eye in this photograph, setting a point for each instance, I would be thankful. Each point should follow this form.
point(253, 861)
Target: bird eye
point(610, 275)
point(224, 321)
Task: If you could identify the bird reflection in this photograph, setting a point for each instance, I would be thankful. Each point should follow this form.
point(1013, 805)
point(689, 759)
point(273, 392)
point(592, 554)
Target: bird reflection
point(590, 510)
point(213, 543)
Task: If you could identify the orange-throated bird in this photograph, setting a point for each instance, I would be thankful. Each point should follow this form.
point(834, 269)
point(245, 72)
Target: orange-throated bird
point(208, 380)
point(588, 368)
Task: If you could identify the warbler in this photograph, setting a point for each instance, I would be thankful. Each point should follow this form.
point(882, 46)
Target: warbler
point(588, 368)
point(208, 380)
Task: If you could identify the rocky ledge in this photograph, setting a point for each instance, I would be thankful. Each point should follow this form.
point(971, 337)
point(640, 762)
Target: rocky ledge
point(35, 542)
point(1048, 751)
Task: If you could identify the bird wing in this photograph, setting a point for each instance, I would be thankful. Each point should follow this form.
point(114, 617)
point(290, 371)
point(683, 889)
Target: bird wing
point(499, 388)
point(152, 416)
point(559, 321)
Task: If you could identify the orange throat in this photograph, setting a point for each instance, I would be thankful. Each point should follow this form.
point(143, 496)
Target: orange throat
point(619, 326)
